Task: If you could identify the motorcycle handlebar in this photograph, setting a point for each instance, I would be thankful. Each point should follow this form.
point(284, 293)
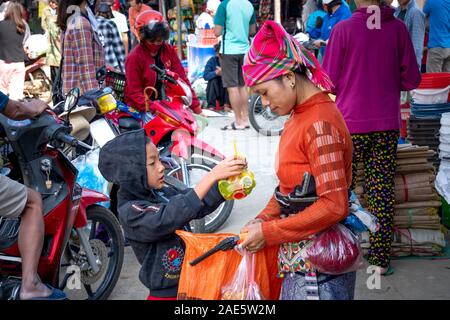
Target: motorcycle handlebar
point(162, 74)
point(66, 138)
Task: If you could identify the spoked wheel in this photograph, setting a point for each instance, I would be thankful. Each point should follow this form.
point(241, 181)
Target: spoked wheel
point(105, 238)
point(263, 119)
point(197, 170)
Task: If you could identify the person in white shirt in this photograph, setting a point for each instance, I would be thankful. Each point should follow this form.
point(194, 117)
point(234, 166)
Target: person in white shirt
point(121, 22)
point(207, 17)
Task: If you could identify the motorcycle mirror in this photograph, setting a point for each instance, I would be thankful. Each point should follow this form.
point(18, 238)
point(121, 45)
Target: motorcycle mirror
point(71, 100)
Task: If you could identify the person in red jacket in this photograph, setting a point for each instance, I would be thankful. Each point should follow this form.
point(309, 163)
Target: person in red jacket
point(153, 49)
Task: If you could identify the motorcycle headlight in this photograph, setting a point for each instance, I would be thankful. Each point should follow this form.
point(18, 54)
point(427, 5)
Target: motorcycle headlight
point(106, 103)
point(187, 98)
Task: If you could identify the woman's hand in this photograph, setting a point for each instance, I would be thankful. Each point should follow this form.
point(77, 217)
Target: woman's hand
point(256, 220)
point(255, 238)
point(229, 167)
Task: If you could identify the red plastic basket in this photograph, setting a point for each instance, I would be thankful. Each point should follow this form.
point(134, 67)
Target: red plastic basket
point(435, 80)
point(116, 81)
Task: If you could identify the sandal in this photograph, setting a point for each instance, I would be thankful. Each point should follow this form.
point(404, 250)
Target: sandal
point(55, 295)
point(388, 272)
point(232, 126)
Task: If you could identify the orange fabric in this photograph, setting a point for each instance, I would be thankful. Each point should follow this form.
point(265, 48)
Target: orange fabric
point(206, 279)
point(315, 140)
point(133, 13)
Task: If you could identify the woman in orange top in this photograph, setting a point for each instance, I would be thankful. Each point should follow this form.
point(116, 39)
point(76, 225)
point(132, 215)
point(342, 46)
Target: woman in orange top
point(136, 8)
point(315, 140)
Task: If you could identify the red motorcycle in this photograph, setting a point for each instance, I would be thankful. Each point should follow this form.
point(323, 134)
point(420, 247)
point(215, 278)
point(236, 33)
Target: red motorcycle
point(73, 258)
point(173, 128)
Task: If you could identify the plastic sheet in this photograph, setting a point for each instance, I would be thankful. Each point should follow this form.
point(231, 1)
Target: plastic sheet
point(89, 175)
point(360, 220)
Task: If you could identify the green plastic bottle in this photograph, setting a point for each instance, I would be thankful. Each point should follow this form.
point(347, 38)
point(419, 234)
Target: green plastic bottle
point(237, 187)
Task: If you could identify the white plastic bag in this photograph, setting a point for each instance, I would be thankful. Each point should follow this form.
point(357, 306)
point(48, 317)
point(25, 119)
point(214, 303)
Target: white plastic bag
point(243, 285)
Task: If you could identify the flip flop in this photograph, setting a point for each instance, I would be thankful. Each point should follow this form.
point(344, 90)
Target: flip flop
point(232, 126)
point(55, 295)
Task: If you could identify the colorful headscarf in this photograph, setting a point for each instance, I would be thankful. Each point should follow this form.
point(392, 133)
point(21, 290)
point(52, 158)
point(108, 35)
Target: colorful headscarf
point(274, 52)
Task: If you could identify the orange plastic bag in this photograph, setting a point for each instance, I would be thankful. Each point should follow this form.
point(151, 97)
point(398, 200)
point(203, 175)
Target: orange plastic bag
point(205, 280)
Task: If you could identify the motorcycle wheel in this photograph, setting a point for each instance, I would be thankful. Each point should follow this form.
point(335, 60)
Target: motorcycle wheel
point(106, 239)
point(197, 170)
point(263, 120)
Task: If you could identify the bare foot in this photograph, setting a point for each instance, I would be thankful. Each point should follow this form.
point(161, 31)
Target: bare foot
point(39, 290)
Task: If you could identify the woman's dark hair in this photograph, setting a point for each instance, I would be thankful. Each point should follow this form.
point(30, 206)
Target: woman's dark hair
point(15, 13)
point(64, 12)
point(300, 71)
point(159, 30)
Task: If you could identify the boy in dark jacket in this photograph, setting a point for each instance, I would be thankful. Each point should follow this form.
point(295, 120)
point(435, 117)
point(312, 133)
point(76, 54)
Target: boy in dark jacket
point(150, 212)
point(215, 90)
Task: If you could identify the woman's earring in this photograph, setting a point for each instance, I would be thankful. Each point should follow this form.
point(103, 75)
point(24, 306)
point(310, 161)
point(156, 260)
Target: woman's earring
point(292, 85)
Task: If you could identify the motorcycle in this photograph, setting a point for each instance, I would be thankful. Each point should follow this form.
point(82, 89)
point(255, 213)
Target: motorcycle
point(172, 128)
point(73, 256)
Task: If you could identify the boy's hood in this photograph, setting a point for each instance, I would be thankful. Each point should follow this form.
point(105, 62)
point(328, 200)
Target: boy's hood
point(122, 161)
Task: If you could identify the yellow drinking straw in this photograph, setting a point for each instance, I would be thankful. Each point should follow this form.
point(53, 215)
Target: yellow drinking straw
point(235, 149)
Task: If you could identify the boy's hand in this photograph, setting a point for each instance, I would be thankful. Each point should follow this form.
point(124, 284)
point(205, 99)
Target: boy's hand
point(229, 167)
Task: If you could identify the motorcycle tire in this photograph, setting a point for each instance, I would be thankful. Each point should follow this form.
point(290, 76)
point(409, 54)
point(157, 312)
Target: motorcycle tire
point(216, 219)
point(260, 116)
point(115, 245)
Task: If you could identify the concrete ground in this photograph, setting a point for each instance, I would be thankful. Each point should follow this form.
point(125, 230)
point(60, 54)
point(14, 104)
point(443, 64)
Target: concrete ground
point(413, 279)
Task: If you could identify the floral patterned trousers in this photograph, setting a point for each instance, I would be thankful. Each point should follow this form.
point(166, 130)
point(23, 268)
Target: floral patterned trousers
point(378, 152)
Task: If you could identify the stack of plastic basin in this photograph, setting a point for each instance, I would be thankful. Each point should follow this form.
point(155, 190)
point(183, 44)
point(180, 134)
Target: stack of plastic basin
point(429, 102)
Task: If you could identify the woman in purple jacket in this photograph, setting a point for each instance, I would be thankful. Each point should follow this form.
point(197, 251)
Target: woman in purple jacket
point(370, 59)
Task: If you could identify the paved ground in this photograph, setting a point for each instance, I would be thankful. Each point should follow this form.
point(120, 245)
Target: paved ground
point(413, 279)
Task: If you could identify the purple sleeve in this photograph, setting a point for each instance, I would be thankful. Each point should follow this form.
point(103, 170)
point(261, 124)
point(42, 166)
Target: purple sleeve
point(409, 72)
point(335, 52)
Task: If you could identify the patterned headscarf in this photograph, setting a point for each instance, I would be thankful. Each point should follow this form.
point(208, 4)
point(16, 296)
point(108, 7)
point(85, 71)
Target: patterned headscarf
point(274, 53)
